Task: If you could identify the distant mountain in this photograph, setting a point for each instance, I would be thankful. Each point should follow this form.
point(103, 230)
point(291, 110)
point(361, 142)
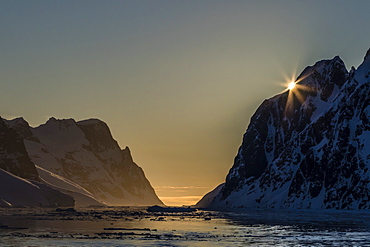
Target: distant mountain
point(82, 157)
point(308, 147)
point(20, 184)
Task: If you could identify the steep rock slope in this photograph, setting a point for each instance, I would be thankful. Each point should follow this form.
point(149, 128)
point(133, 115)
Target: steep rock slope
point(85, 153)
point(19, 127)
point(308, 147)
point(20, 184)
point(13, 155)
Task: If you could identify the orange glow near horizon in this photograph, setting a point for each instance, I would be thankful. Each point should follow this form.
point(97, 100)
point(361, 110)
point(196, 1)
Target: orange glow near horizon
point(180, 200)
point(181, 195)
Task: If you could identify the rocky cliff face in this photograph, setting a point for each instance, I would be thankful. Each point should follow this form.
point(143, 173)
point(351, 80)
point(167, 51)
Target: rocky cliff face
point(85, 153)
point(13, 155)
point(20, 183)
point(308, 147)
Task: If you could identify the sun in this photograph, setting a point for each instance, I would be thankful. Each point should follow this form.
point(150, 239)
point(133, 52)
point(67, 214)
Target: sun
point(291, 85)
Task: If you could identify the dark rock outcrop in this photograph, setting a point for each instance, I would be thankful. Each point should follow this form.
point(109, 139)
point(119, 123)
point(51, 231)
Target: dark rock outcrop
point(13, 154)
point(20, 183)
point(308, 147)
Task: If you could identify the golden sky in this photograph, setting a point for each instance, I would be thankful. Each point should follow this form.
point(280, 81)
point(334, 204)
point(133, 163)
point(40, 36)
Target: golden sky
point(176, 81)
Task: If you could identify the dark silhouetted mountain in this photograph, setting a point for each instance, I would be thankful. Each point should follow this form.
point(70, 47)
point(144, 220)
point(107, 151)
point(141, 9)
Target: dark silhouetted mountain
point(308, 147)
point(13, 155)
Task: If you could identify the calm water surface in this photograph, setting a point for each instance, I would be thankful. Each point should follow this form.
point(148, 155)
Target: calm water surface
point(123, 226)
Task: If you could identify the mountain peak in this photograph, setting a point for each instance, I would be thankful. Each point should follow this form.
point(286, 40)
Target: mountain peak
point(367, 54)
point(98, 134)
point(22, 127)
point(19, 121)
point(328, 68)
point(324, 79)
point(61, 121)
point(127, 154)
point(91, 121)
point(127, 149)
point(318, 156)
point(52, 119)
point(80, 155)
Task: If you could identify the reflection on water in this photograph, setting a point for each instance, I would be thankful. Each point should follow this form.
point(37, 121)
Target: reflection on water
point(304, 228)
point(123, 226)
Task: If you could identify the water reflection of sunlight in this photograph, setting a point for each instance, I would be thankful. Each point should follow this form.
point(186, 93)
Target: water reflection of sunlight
point(134, 226)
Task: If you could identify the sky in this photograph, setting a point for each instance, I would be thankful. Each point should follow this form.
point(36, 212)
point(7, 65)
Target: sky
point(176, 81)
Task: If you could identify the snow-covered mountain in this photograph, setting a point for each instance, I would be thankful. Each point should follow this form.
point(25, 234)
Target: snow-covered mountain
point(20, 184)
point(20, 192)
point(82, 157)
point(308, 147)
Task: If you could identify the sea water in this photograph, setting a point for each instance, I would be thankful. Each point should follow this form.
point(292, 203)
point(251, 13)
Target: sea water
point(127, 226)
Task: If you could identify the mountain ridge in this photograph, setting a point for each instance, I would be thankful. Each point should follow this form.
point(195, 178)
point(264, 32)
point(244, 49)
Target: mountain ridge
point(84, 153)
point(301, 143)
point(20, 182)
